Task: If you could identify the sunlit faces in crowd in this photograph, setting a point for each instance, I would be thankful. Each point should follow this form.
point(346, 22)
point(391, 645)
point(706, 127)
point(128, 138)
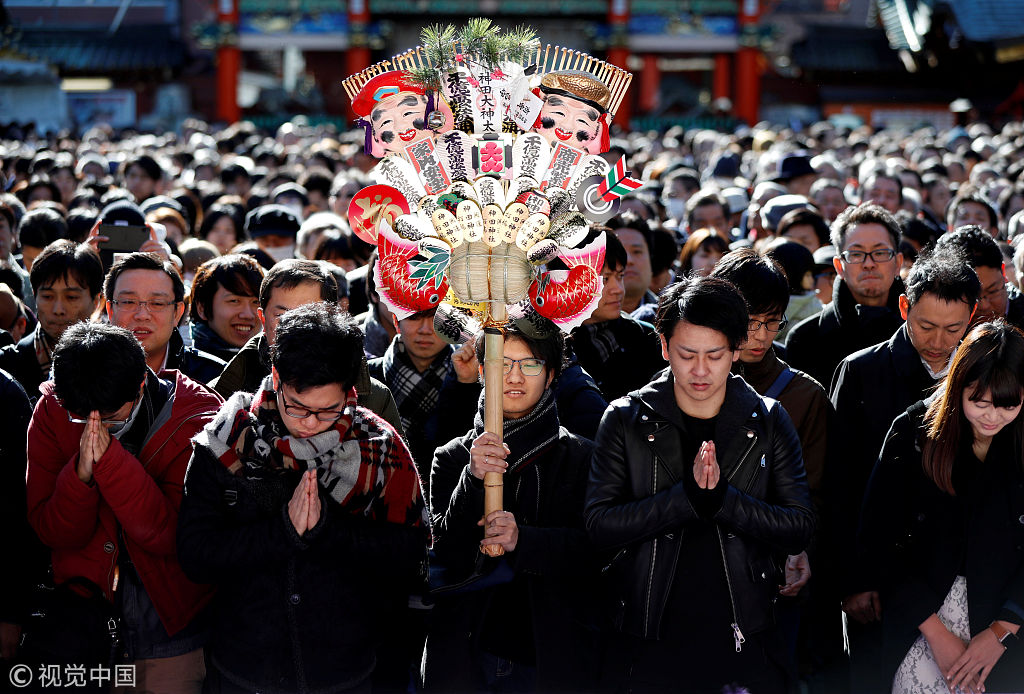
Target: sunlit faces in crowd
point(830, 200)
point(637, 275)
point(62, 303)
point(761, 331)
point(143, 302)
point(609, 307)
point(985, 417)
point(885, 191)
point(310, 411)
point(284, 299)
point(233, 316)
point(526, 377)
point(700, 359)
point(868, 263)
point(935, 327)
point(422, 344)
point(971, 212)
point(994, 297)
point(223, 234)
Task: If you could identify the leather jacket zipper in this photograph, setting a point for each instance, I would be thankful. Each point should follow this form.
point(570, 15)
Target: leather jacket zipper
point(737, 633)
point(654, 556)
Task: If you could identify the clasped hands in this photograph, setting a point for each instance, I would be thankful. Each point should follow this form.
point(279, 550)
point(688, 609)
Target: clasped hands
point(707, 475)
point(304, 506)
point(91, 447)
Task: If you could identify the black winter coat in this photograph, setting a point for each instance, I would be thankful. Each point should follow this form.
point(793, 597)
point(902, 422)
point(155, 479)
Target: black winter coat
point(291, 614)
point(552, 552)
point(873, 387)
point(27, 557)
point(20, 362)
point(633, 363)
point(915, 539)
point(817, 344)
point(198, 365)
point(637, 502)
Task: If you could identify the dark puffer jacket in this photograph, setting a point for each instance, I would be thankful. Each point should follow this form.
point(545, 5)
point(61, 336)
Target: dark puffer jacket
point(637, 502)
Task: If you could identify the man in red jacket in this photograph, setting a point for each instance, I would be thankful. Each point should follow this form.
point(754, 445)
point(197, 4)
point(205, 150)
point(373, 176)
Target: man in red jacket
point(108, 446)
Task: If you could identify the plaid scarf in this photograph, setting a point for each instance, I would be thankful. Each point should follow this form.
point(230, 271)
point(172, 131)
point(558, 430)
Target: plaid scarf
point(416, 394)
point(361, 462)
point(601, 339)
point(44, 351)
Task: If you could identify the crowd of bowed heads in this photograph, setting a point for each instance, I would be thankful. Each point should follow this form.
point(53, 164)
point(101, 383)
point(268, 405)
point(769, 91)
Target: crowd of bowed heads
point(784, 454)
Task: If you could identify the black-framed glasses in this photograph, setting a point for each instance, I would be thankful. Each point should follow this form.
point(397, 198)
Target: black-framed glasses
point(530, 366)
point(299, 412)
point(775, 325)
point(105, 418)
point(879, 255)
point(133, 305)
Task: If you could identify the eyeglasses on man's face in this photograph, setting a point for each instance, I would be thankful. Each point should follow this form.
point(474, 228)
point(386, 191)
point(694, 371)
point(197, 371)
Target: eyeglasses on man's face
point(133, 305)
point(879, 255)
point(105, 419)
point(530, 366)
point(299, 412)
point(775, 325)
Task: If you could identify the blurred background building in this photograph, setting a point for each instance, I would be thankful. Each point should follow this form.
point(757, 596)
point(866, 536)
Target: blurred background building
point(706, 63)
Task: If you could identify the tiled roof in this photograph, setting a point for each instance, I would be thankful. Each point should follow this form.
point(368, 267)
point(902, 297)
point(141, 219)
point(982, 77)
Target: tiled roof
point(844, 49)
point(75, 50)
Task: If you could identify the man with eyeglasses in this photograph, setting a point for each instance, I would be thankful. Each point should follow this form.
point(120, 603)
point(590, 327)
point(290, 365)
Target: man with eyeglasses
point(145, 295)
point(763, 284)
point(998, 298)
point(108, 445)
point(873, 387)
point(534, 631)
point(305, 510)
point(865, 299)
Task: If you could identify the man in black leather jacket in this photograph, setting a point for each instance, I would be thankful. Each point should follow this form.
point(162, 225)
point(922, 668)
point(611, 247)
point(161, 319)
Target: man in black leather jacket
point(698, 484)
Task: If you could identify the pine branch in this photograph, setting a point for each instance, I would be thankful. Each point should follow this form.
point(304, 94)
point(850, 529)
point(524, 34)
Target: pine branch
point(429, 77)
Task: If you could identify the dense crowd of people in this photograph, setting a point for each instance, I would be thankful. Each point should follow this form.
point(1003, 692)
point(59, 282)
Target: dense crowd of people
point(784, 453)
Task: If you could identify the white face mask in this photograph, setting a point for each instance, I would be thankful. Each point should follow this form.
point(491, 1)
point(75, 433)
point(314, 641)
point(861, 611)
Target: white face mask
point(121, 428)
point(676, 208)
point(279, 253)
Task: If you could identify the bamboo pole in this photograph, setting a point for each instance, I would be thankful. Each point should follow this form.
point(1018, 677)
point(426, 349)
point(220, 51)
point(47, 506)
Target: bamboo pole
point(494, 357)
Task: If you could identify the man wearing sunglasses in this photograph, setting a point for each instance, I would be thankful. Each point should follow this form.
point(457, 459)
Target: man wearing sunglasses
point(108, 446)
point(305, 509)
point(865, 304)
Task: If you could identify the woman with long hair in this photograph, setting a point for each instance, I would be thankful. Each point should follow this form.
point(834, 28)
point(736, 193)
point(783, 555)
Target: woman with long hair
point(942, 527)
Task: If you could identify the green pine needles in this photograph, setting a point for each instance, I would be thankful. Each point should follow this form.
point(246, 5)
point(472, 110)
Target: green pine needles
point(480, 41)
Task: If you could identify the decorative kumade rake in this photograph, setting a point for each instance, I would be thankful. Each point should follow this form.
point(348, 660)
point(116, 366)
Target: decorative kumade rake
point(490, 178)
